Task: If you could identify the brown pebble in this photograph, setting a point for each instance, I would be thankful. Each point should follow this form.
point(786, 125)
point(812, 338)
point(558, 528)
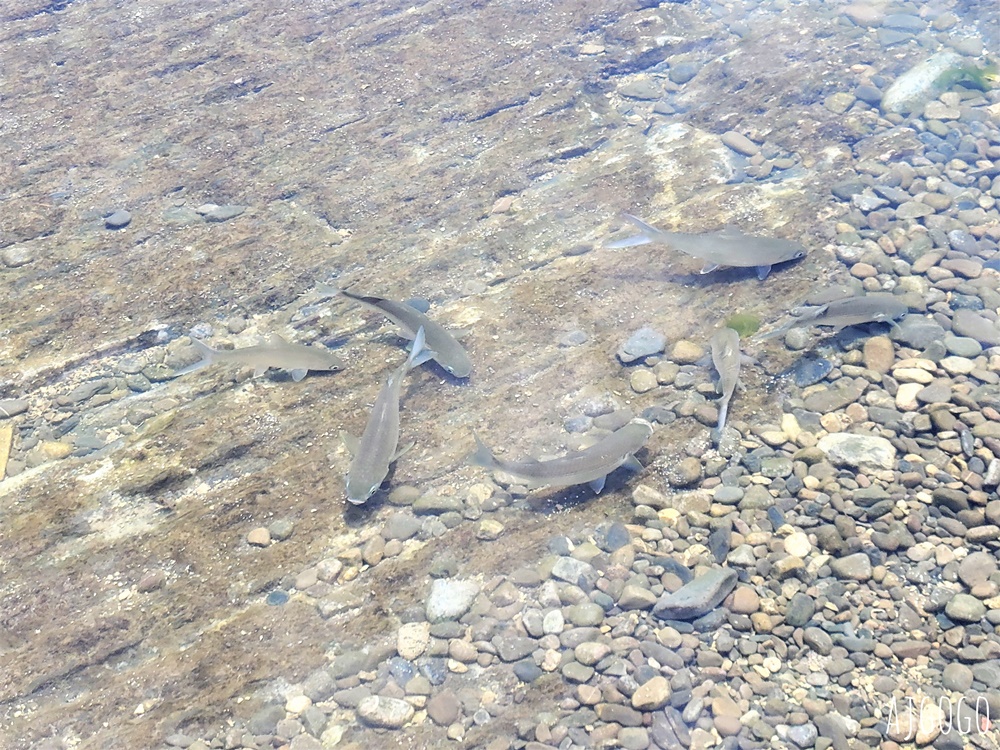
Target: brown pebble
point(151, 581)
point(745, 601)
point(259, 537)
point(863, 271)
point(879, 354)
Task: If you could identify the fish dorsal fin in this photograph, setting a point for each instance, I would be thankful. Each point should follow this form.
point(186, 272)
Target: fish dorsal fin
point(763, 271)
point(730, 232)
point(597, 485)
point(351, 442)
point(708, 268)
point(298, 374)
point(276, 339)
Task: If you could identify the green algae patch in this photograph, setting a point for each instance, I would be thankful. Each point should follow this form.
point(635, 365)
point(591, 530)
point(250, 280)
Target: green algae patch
point(744, 324)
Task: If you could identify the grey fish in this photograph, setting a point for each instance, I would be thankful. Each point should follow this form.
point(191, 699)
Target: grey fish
point(878, 307)
point(726, 357)
point(376, 450)
point(448, 352)
point(274, 351)
point(590, 465)
point(727, 247)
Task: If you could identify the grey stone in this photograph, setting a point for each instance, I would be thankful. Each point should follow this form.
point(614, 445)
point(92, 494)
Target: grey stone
point(845, 449)
point(957, 677)
point(856, 567)
point(682, 72)
point(975, 326)
point(976, 568)
point(118, 220)
point(401, 526)
point(15, 256)
point(643, 343)
point(965, 608)
point(382, 711)
point(266, 719)
point(585, 614)
point(962, 346)
point(818, 640)
point(641, 89)
point(223, 213)
point(512, 647)
point(800, 609)
point(450, 599)
point(917, 331)
point(701, 595)
point(802, 735)
point(11, 407)
point(574, 571)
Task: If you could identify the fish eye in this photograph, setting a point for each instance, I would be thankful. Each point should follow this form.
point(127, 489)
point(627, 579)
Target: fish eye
point(800, 254)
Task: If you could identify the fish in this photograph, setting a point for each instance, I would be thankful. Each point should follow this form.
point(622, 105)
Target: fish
point(377, 448)
point(878, 307)
point(727, 247)
point(449, 353)
point(590, 465)
point(274, 351)
point(726, 357)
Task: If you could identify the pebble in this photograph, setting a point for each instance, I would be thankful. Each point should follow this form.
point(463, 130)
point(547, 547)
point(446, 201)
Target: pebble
point(12, 407)
point(412, 639)
point(645, 342)
point(15, 256)
point(259, 537)
point(797, 544)
point(118, 219)
point(444, 708)
point(449, 599)
point(745, 601)
point(682, 72)
point(844, 449)
point(856, 567)
point(739, 143)
point(385, 712)
point(643, 380)
point(651, 695)
point(214, 213)
point(694, 599)
point(965, 608)
point(686, 352)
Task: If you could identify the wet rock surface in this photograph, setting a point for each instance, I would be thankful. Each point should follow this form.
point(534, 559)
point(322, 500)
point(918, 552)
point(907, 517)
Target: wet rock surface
point(179, 566)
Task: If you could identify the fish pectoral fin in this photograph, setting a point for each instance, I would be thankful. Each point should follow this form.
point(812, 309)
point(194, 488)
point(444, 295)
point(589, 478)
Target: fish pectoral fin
point(708, 268)
point(763, 271)
point(351, 442)
point(632, 463)
point(401, 451)
point(298, 373)
point(597, 485)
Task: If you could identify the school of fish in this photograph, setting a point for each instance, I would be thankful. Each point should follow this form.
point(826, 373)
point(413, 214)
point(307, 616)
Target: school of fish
point(378, 447)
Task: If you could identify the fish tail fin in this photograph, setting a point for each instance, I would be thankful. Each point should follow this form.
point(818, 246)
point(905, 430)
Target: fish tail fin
point(206, 352)
point(482, 456)
point(723, 413)
point(418, 353)
point(647, 234)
